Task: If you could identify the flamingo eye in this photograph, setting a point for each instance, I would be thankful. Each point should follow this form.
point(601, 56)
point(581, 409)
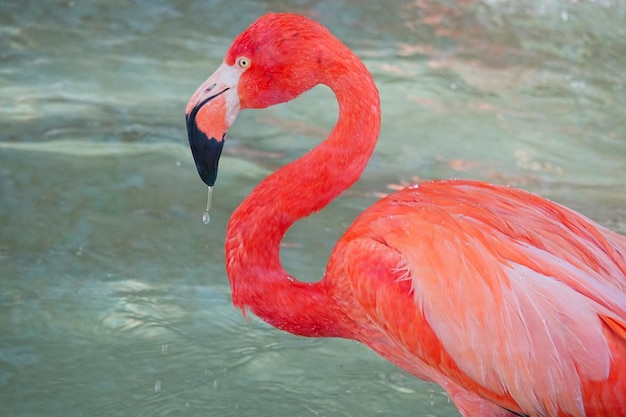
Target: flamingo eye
point(243, 62)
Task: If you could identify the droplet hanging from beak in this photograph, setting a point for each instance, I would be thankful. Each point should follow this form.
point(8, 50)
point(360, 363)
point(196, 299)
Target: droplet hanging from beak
point(206, 218)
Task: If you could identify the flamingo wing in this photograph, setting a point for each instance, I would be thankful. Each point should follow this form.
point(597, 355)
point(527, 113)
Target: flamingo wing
point(496, 290)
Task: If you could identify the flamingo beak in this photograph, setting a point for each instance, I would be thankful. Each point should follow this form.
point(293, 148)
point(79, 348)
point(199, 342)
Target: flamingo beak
point(210, 112)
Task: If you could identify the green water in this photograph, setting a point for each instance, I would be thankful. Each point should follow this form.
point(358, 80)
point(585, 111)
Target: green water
point(113, 295)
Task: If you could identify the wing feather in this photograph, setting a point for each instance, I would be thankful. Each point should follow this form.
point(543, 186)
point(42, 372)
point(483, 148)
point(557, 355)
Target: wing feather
point(517, 291)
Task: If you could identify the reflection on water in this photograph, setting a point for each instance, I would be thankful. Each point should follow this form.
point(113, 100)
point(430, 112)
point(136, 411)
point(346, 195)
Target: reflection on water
point(114, 299)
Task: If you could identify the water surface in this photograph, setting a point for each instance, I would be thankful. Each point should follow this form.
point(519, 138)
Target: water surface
point(113, 295)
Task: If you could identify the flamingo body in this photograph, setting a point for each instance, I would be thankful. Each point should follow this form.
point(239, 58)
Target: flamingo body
point(489, 300)
point(515, 305)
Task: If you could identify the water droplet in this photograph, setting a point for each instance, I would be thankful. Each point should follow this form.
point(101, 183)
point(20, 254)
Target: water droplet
point(206, 218)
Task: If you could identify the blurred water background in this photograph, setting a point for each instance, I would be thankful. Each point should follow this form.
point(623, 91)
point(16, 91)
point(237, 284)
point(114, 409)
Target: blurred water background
point(113, 295)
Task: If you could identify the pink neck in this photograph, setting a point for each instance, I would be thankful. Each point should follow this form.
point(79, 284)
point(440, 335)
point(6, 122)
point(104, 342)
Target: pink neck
point(256, 228)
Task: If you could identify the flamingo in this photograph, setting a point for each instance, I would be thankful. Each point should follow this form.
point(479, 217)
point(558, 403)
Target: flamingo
point(513, 304)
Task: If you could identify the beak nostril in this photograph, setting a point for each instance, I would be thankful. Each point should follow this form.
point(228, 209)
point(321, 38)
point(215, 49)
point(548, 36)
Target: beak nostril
point(211, 87)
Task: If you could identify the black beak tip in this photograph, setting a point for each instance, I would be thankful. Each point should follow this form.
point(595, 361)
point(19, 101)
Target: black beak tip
point(206, 151)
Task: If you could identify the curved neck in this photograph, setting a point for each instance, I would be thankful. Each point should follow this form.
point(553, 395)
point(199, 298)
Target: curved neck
point(257, 226)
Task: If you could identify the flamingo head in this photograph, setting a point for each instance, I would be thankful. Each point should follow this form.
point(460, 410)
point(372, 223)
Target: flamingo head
point(273, 61)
